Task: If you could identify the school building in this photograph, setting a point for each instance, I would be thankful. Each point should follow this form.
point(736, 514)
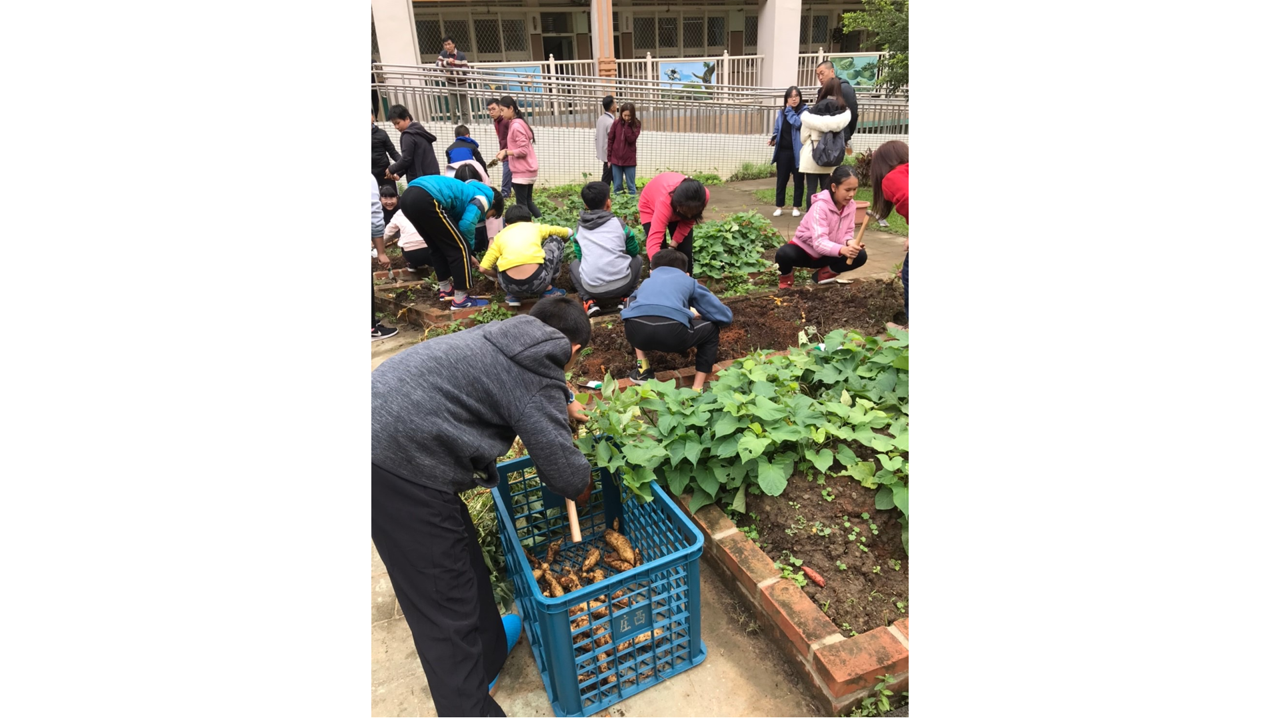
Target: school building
point(772, 43)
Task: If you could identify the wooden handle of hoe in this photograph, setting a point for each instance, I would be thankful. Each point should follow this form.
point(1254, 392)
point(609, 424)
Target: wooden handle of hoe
point(575, 532)
point(865, 222)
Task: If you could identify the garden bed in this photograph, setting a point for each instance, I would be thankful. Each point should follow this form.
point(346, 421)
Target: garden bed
point(759, 322)
point(865, 589)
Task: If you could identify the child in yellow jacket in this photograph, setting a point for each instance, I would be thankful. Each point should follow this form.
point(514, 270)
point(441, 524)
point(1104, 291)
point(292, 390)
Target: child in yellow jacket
point(524, 258)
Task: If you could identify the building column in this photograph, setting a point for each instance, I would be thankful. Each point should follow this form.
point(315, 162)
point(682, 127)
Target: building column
point(602, 37)
point(778, 40)
point(397, 33)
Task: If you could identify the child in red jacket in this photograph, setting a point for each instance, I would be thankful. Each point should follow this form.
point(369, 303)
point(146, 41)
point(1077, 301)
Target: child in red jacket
point(889, 192)
point(672, 204)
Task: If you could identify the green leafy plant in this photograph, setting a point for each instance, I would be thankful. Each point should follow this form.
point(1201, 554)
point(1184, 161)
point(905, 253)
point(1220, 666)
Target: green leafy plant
point(842, 566)
point(828, 495)
point(734, 246)
point(438, 330)
point(492, 312)
point(754, 171)
point(895, 564)
point(877, 701)
point(762, 422)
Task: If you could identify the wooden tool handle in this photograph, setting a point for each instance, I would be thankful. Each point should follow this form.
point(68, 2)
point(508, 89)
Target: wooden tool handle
point(865, 222)
point(575, 532)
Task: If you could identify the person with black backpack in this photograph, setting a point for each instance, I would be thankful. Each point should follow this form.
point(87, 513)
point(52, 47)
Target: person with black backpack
point(822, 138)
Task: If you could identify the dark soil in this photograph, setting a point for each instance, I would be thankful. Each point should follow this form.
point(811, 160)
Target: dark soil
point(395, 256)
point(759, 323)
point(856, 596)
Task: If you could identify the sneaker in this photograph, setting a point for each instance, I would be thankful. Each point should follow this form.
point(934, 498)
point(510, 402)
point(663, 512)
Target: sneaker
point(795, 212)
point(590, 307)
point(470, 302)
point(511, 625)
point(786, 281)
point(777, 212)
point(826, 275)
point(638, 376)
point(444, 295)
point(381, 332)
point(554, 292)
point(513, 301)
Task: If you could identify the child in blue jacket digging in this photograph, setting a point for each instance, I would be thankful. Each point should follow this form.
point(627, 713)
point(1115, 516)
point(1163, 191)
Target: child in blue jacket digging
point(446, 211)
point(658, 317)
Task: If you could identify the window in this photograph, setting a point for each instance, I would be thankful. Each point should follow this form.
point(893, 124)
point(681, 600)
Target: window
point(804, 29)
point(645, 33)
point(715, 32)
point(460, 31)
point(488, 38)
point(514, 37)
point(819, 34)
point(428, 36)
point(694, 34)
point(667, 31)
point(556, 23)
point(751, 31)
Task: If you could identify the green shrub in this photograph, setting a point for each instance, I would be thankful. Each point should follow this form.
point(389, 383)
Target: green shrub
point(754, 171)
point(734, 246)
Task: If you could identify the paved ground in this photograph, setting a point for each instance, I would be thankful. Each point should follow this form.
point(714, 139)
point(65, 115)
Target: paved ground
point(743, 674)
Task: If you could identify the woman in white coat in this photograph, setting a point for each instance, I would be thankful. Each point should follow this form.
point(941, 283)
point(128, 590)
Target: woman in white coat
point(828, 114)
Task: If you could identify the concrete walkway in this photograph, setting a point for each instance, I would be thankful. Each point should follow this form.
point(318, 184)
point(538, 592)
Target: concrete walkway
point(743, 675)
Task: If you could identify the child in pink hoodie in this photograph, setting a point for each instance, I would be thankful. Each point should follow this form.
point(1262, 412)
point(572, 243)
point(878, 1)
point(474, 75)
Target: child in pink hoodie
point(523, 158)
point(824, 239)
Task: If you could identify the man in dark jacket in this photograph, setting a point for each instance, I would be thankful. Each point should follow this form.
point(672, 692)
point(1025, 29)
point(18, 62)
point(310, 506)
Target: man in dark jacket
point(416, 144)
point(382, 147)
point(825, 71)
point(442, 411)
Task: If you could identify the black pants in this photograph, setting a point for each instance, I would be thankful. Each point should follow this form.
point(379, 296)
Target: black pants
point(791, 256)
point(787, 171)
point(450, 255)
point(427, 541)
point(904, 285)
point(813, 183)
point(524, 196)
point(373, 305)
point(666, 335)
point(685, 246)
point(607, 176)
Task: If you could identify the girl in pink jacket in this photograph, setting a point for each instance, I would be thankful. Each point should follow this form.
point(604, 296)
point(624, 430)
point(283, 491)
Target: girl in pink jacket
point(524, 161)
point(824, 239)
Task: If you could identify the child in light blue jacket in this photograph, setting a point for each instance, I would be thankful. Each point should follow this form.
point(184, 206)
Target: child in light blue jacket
point(658, 317)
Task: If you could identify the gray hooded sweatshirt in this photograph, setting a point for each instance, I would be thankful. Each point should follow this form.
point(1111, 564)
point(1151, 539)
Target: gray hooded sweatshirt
point(443, 410)
point(605, 246)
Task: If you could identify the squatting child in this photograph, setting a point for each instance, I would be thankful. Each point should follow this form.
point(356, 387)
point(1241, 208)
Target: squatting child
point(525, 257)
point(608, 263)
point(658, 316)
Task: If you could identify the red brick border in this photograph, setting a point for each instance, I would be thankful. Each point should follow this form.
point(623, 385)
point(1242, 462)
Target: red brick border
point(841, 670)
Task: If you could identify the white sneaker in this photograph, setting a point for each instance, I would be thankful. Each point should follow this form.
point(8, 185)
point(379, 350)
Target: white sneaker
point(776, 213)
point(795, 212)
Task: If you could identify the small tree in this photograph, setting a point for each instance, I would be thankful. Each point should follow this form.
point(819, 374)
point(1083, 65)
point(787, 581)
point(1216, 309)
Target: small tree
point(887, 21)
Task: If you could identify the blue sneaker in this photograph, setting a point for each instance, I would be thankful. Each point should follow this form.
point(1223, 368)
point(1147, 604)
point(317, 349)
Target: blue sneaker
point(511, 624)
point(470, 302)
point(512, 300)
point(553, 292)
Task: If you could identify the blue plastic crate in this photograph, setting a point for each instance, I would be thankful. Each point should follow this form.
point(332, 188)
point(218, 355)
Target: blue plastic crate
point(628, 648)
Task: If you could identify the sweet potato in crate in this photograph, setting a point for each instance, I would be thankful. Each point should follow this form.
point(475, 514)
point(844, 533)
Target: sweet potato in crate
point(618, 635)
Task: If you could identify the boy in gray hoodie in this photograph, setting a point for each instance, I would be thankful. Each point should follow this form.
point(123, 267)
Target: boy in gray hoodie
point(438, 425)
point(608, 264)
